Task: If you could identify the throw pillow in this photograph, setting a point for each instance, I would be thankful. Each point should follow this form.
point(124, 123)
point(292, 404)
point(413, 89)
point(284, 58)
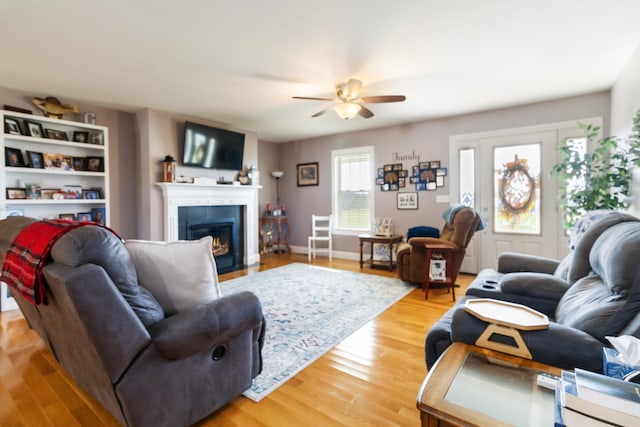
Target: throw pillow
point(422, 231)
point(180, 274)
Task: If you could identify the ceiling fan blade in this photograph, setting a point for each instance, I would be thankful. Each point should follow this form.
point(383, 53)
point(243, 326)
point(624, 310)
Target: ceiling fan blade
point(383, 98)
point(311, 98)
point(365, 112)
point(321, 112)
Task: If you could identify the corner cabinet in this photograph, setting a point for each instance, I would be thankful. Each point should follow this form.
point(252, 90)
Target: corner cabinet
point(53, 168)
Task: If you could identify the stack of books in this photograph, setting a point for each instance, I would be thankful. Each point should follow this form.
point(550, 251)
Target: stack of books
point(585, 398)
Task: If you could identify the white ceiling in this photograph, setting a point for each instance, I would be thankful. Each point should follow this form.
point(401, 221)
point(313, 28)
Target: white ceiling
point(239, 62)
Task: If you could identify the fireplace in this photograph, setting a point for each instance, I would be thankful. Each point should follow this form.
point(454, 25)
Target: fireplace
point(244, 197)
point(224, 224)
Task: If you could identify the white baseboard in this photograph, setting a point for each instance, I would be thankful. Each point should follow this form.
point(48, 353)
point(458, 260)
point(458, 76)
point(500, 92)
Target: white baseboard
point(352, 256)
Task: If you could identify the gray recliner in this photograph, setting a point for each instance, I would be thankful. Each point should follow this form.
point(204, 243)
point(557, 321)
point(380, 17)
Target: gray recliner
point(593, 293)
point(113, 338)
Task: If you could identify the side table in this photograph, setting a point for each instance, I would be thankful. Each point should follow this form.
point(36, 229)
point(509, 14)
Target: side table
point(473, 386)
point(373, 239)
point(279, 221)
point(445, 251)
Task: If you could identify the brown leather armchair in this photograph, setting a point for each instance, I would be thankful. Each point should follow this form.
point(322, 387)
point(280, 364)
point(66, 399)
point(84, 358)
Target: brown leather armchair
point(457, 234)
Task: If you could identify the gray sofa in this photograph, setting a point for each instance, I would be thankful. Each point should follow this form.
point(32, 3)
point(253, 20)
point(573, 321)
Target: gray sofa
point(593, 293)
point(113, 338)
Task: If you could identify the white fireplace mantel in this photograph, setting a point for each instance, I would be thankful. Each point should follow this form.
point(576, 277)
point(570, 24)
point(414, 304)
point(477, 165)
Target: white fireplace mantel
point(177, 195)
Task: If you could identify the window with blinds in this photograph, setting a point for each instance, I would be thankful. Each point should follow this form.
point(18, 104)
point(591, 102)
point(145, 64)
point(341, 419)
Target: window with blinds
point(352, 195)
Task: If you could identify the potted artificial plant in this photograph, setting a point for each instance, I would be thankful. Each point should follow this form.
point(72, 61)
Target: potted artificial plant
point(599, 179)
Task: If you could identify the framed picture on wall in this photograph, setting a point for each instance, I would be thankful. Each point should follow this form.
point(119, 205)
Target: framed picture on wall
point(307, 174)
point(407, 200)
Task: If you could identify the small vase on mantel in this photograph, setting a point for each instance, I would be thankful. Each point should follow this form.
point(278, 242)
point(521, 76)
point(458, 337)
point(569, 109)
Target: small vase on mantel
point(254, 175)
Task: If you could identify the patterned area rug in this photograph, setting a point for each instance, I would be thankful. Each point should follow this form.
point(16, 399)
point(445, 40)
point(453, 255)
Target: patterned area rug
point(309, 310)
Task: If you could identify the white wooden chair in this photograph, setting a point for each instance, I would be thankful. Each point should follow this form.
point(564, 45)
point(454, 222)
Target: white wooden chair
point(320, 232)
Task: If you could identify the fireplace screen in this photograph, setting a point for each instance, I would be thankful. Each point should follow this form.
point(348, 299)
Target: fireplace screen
point(221, 232)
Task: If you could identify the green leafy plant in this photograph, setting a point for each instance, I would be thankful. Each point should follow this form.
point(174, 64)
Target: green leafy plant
point(599, 179)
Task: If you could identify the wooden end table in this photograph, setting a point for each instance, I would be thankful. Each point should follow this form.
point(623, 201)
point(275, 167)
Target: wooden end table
point(373, 239)
point(278, 220)
point(473, 386)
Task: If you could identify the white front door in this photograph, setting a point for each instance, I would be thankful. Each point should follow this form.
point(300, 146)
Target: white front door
point(505, 176)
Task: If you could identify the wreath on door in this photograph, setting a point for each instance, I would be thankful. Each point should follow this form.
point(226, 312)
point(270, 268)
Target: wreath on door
point(517, 188)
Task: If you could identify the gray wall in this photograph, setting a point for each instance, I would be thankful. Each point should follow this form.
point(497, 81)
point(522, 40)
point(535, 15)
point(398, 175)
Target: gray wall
point(160, 134)
point(625, 97)
point(138, 141)
point(429, 140)
point(625, 102)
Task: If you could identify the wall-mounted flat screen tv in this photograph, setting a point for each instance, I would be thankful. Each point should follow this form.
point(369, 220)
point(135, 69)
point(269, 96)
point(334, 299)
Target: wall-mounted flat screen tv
point(213, 148)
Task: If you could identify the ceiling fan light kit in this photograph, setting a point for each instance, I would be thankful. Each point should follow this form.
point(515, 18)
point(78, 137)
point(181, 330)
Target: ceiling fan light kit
point(349, 104)
point(347, 110)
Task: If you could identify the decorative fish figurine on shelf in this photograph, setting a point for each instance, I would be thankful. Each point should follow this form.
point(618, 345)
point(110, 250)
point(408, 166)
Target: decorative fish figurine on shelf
point(52, 107)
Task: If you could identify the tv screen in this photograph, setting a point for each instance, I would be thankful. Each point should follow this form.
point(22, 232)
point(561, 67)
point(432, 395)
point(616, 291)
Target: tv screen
point(212, 148)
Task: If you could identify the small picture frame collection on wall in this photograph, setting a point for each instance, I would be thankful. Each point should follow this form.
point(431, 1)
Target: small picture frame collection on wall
point(426, 176)
point(392, 177)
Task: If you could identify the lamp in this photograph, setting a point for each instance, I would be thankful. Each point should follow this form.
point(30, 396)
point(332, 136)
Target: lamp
point(277, 175)
point(347, 110)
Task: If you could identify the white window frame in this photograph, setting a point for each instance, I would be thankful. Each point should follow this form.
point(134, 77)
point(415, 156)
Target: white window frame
point(335, 181)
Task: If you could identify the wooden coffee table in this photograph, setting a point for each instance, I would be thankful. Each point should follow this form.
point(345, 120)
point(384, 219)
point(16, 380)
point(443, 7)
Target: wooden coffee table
point(373, 239)
point(473, 386)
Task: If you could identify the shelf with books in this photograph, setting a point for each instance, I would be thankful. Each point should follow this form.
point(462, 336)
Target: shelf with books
point(580, 408)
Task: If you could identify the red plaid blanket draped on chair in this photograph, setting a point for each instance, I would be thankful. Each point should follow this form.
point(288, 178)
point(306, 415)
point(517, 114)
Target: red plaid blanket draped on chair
point(22, 268)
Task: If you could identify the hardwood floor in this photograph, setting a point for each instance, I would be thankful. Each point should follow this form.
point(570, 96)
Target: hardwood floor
point(371, 378)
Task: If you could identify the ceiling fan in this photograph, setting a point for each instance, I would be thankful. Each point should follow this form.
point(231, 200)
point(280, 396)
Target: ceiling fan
point(349, 104)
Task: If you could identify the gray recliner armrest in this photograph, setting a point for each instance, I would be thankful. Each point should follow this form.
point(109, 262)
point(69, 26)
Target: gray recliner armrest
point(512, 262)
point(207, 325)
point(538, 285)
point(560, 346)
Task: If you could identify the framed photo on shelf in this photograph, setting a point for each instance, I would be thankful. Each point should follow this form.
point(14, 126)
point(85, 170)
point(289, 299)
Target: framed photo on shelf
point(98, 215)
point(12, 126)
point(72, 192)
point(34, 129)
point(68, 216)
point(90, 194)
point(32, 190)
point(14, 193)
point(407, 200)
point(79, 163)
point(13, 157)
point(80, 136)
point(84, 216)
point(95, 164)
point(96, 138)
point(35, 159)
point(57, 161)
point(57, 134)
point(307, 174)
point(47, 193)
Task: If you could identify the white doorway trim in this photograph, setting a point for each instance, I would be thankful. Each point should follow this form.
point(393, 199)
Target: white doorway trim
point(562, 130)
